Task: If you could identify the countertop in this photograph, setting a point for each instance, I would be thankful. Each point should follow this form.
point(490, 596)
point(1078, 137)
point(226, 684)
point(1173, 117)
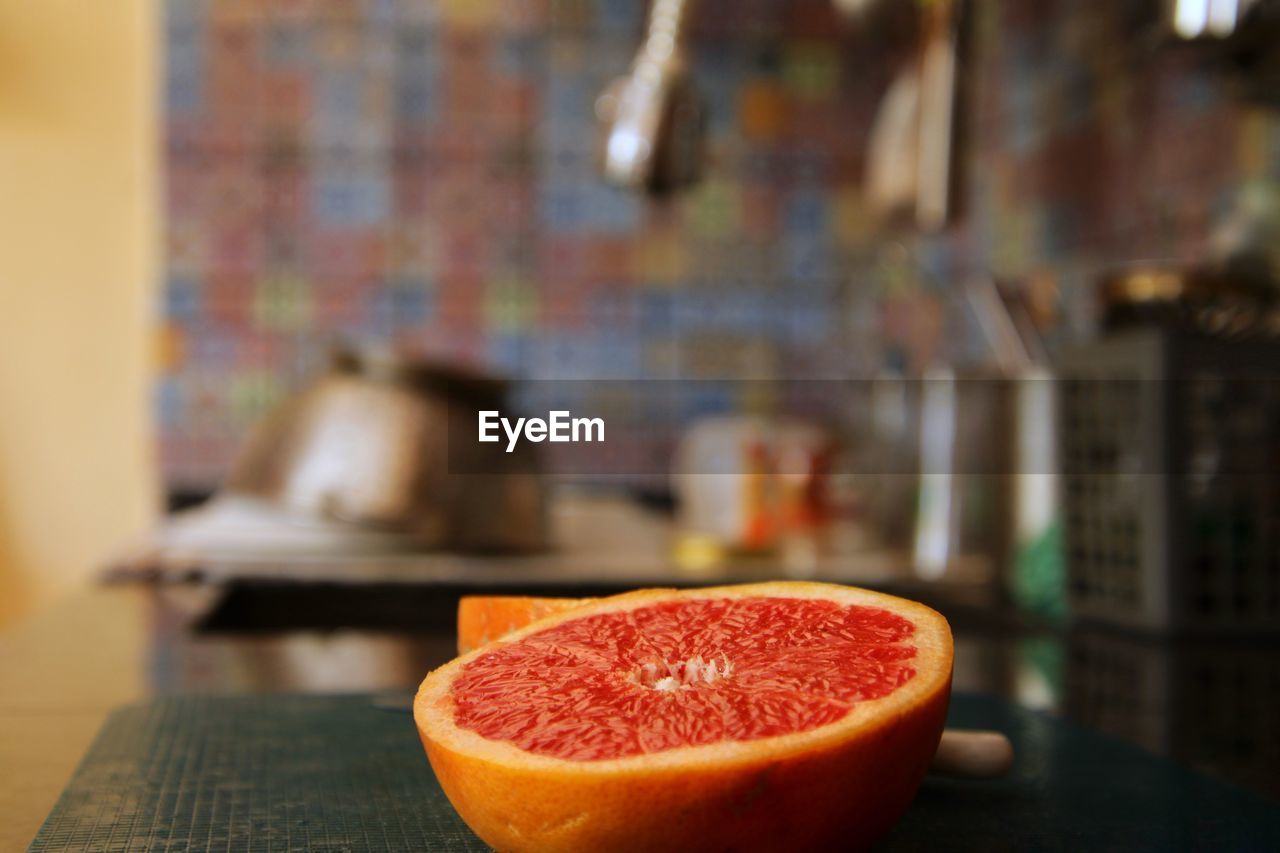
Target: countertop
point(347, 772)
point(595, 537)
point(102, 647)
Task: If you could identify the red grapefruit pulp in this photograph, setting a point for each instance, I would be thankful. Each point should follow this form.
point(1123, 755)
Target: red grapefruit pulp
point(739, 717)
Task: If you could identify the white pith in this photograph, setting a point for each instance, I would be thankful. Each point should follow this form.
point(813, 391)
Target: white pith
point(682, 674)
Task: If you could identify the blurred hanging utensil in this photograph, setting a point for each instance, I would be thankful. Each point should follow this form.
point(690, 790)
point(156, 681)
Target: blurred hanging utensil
point(653, 119)
point(938, 92)
point(911, 151)
point(893, 170)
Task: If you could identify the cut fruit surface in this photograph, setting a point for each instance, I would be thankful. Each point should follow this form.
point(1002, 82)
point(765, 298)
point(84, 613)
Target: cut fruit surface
point(683, 673)
point(738, 717)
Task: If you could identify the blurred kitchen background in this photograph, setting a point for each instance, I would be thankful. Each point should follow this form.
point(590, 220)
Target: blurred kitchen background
point(424, 175)
point(972, 301)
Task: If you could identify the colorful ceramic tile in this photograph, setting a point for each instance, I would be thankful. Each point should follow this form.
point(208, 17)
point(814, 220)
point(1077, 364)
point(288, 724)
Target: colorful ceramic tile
point(170, 406)
point(182, 299)
point(423, 174)
point(186, 247)
point(714, 208)
point(343, 199)
point(762, 110)
point(469, 14)
point(662, 258)
point(282, 303)
point(509, 354)
point(511, 305)
point(568, 16)
point(811, 69)
point(228, 301)
point(252, 393)
point(232, 13)
point(401, 304)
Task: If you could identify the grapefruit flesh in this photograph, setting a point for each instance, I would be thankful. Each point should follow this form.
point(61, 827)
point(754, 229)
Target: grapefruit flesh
point(731, 718)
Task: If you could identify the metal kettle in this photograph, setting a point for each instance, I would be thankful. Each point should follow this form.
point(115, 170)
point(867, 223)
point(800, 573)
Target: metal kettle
point(367, 444)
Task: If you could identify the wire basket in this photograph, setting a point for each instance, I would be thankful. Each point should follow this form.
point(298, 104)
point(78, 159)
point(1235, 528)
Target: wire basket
point(1170, 456)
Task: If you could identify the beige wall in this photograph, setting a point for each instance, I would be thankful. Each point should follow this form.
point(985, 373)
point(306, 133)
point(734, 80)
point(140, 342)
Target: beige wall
point(77, 267)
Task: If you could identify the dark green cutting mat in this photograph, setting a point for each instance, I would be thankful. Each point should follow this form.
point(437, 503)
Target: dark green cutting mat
point(313, 773)
point(257, 773)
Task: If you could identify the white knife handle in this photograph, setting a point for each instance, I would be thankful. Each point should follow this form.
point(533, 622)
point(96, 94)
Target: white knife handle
point(972, 755)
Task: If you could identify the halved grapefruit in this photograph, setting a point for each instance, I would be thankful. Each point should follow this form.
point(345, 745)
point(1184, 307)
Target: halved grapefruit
point(751, 717)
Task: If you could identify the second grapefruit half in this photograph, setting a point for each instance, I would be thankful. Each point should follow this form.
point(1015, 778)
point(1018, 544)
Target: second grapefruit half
point(485, 618)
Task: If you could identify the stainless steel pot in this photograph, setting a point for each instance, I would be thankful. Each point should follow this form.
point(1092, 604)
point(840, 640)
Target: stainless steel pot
point(368, 444)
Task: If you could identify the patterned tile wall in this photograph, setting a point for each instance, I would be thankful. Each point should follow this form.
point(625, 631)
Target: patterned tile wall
point(421, 174)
